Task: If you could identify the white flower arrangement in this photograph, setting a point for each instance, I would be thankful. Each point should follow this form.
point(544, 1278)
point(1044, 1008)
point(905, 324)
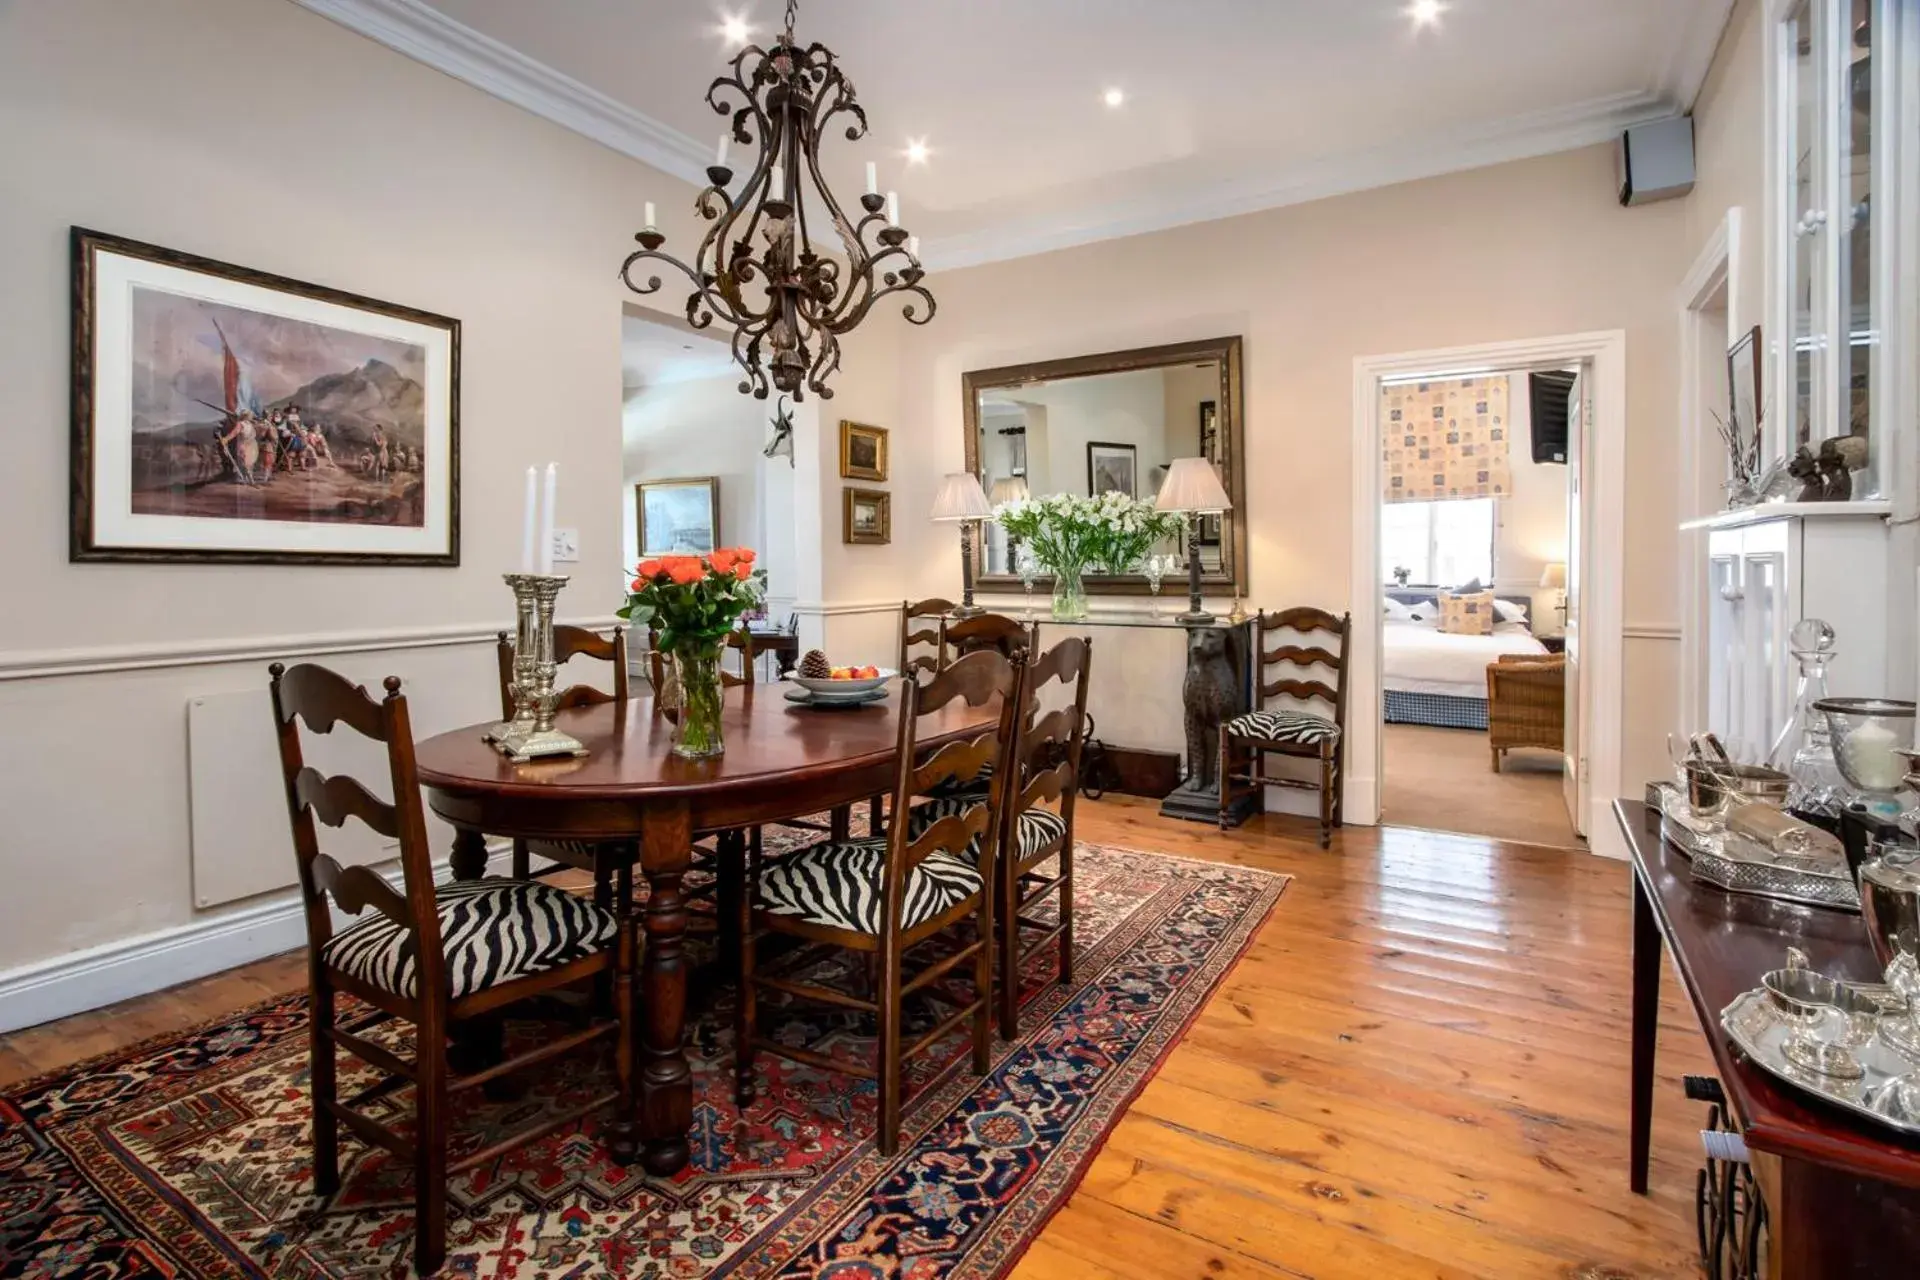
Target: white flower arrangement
point(1068, 533)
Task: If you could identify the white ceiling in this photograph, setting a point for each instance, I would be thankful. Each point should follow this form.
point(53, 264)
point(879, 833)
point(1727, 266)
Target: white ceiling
point(1232, 105)
point(657, 355)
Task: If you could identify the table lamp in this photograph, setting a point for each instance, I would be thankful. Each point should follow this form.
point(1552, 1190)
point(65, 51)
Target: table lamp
point(962, 501)
point(1554, 578)
point(1193, 489)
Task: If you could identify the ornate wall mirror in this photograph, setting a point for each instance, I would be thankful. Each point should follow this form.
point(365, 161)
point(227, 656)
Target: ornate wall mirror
point(1088, 424)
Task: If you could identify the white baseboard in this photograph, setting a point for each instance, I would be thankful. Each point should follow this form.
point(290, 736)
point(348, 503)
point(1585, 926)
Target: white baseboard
point(116, 971)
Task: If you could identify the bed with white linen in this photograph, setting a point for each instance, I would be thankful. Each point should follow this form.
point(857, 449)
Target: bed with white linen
point(1435, 678)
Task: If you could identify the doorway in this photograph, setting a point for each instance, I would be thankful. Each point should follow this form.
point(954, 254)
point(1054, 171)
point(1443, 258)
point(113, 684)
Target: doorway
point(1476, 520)
point(1444, 788)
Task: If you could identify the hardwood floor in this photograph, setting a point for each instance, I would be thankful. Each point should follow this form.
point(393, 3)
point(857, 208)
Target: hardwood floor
point(1443, 780)
point(1419, 1069)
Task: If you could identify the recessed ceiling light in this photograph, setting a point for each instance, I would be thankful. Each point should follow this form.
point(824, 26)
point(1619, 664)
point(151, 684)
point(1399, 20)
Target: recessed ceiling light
point(1425, 13)
point(1114, 97)
point(735, 30)
point(917, 151)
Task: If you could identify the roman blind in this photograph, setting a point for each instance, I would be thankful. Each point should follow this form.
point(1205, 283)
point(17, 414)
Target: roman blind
point(1445, 440)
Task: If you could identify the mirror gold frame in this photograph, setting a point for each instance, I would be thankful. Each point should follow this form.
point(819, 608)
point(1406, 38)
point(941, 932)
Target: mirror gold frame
point(1230, 410)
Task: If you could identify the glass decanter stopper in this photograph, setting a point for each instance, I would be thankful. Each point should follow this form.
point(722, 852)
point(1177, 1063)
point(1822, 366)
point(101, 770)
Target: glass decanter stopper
point(1804, 749)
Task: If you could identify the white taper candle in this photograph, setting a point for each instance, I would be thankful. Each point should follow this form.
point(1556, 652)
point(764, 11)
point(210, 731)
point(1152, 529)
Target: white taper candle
point(648, 222)
point(778, 187)
point(720, 156)
point(893, 208)
point(873, 178)
point(527, 520)
point(546, 518)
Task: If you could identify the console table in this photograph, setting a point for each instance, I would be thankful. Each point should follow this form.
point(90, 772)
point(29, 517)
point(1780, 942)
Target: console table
point(1843, 1198)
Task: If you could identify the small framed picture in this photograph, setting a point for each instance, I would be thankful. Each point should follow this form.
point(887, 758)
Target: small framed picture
point(1743, 380)
point(678, 517)
point(867, 516)
point(221, 414)
point(863, 452)
point(1110, 468)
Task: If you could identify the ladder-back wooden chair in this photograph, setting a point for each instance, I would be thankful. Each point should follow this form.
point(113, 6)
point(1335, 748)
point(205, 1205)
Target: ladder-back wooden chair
point(1247, 740)
point(608, 861)
point(923, 624)
point(882, 898)
point(433, 956)
point(1048, 749)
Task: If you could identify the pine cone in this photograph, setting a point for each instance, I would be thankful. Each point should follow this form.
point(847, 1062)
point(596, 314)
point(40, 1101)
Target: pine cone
point(814, 666)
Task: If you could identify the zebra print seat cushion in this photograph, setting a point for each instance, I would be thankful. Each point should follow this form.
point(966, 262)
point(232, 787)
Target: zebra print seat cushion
point(1037, 829)
point(1293, 727)
point(491, 931)
point(837, 884)
point(974, 788)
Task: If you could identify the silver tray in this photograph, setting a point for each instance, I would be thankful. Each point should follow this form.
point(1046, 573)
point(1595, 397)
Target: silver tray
point(1731, 862)
point(1758, 1032)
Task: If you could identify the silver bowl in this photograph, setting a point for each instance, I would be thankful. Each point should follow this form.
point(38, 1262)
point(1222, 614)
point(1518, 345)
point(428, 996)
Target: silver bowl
point(1870, 735)
point(1712, 783)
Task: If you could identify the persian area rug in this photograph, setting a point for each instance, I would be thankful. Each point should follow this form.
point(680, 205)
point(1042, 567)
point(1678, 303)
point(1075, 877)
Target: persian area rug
point(190, 1157)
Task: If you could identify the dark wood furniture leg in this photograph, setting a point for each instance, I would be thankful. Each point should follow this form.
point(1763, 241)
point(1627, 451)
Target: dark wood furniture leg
point(1646, 1029)
point(666, 1081)
point(469, 860)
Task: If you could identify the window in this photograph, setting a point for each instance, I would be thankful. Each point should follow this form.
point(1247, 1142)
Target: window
point(1441, 543)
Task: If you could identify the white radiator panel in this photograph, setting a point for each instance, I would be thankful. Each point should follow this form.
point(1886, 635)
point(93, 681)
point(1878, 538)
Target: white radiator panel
point(242, 844)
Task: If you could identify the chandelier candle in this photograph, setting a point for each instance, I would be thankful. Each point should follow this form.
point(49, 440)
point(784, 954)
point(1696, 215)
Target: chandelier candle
point(783, 263)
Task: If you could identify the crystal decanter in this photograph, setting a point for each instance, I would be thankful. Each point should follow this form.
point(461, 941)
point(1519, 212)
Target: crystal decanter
point(1804, 749)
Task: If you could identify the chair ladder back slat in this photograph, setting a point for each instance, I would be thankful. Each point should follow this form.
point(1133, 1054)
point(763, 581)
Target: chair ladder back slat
point(934, 610)
point(356, 888)
point(334, 800)
point(1300, 689)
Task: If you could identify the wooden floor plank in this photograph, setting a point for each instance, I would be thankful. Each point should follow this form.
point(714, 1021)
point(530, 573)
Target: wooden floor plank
point(1419, 1069)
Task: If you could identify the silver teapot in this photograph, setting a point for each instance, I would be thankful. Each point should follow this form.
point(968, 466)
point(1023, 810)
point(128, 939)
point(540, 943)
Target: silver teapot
point(1890, 904)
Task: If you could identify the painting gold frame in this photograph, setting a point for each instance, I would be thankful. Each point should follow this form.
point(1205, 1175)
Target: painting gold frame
point(711, 486)
point(855, 435)
point(883, 506)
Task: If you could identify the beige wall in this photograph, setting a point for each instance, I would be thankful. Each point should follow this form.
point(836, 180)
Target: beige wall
point(1523, 250)
point(326, 158)
point(1532, 528)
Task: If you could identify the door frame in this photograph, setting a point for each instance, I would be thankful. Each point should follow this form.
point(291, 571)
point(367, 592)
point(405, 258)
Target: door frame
point(1602, 567)
point(1714, 276)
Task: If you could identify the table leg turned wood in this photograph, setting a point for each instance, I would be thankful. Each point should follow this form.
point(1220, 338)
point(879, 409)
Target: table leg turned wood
point(1646, 1030)
point(666, 1081)
point(469, 859)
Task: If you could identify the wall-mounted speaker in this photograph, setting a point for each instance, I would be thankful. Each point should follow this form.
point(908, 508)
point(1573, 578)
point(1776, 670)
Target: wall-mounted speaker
point(1655, 161)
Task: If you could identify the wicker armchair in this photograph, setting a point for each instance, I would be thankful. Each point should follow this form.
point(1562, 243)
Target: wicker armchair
point(1526, 703)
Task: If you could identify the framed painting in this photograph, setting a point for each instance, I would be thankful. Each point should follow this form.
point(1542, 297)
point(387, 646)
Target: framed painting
point(1743, 381)
point(678, 517)
point(222, 414)
point(866, 516)
point(863, 452)
point(1110, 469)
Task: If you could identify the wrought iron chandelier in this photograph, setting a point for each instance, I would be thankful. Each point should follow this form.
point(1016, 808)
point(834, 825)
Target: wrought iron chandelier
point(758, 268)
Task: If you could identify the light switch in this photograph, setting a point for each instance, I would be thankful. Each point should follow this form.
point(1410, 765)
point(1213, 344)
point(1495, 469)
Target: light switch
point(566, 546)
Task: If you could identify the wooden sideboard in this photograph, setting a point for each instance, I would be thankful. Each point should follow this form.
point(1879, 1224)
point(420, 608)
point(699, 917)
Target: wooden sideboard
point(1843, 1196)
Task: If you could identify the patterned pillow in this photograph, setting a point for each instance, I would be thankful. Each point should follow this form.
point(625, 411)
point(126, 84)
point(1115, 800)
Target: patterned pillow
point(1466, 615)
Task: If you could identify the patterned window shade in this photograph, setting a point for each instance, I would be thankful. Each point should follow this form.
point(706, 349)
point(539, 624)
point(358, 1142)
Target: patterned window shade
point(1445, 440)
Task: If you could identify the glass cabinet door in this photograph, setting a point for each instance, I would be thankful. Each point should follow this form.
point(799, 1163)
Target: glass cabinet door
point(1835, 89)
point(1804, 149)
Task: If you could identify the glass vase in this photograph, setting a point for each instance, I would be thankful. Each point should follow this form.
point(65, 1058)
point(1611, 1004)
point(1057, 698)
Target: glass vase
point(696, 729)
point(1069, 594)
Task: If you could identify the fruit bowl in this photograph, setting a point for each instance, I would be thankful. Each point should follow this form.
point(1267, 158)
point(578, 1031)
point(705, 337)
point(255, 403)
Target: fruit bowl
point(847, 685)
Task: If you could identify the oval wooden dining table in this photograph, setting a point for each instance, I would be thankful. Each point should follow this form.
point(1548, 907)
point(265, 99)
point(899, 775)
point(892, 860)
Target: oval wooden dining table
point(782, 760)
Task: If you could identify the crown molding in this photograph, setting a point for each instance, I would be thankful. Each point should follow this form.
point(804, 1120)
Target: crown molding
point(426, 35)
point(1518, 138)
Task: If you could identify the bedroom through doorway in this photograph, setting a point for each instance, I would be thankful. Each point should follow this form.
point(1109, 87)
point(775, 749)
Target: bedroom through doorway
point(1477, 517)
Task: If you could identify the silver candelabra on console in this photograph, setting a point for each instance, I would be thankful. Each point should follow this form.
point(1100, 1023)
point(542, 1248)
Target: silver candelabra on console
point(530, 735)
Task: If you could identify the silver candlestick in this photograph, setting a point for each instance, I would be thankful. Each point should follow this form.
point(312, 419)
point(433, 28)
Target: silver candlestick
point(530, 734)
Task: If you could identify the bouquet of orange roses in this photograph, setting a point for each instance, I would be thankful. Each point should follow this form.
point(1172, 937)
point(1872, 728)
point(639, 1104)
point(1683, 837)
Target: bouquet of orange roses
point(693, 602)
point(694, 599)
